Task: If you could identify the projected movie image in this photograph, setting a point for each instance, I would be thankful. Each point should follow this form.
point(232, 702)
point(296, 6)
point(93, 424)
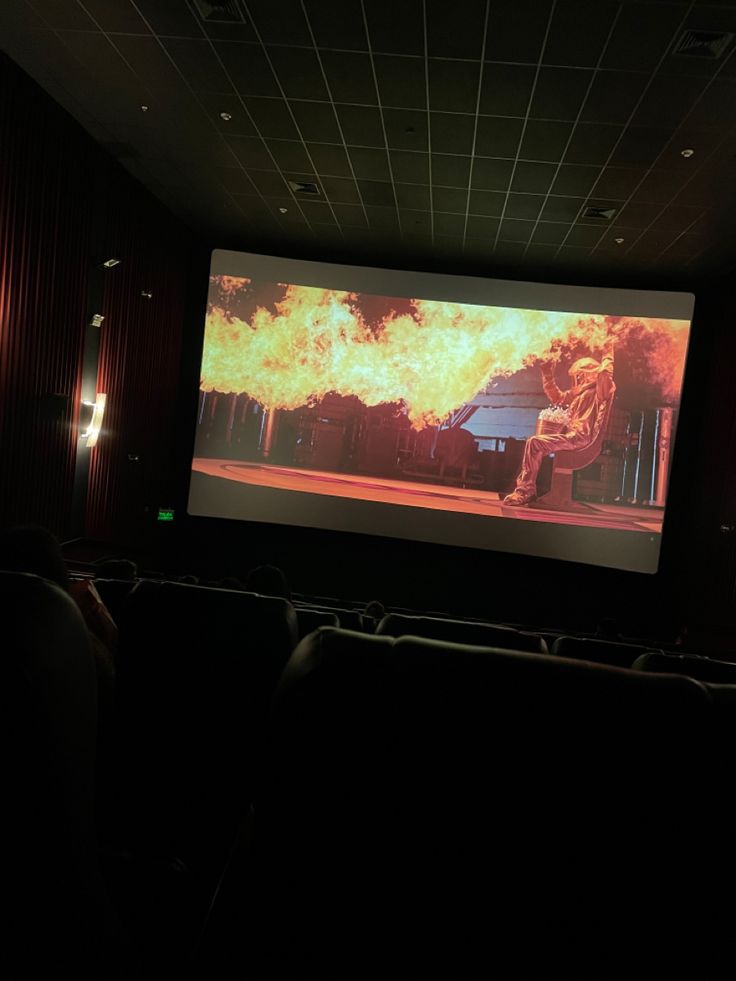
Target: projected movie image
point(527, 415)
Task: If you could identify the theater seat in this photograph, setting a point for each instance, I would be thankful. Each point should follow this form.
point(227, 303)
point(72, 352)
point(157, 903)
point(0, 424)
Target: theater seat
point(58, 919)
point(600, 651)
point(309, 620)
point(440, 807)
point(114, 594)
point(462, 632)
point(702, 668)
point(197, 668)
point(347, 619)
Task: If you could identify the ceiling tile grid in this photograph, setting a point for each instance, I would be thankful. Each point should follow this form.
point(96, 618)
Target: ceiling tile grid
point(481, 132)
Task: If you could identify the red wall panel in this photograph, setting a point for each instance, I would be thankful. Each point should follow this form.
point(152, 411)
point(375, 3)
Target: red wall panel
point(44, 236)
point(139, 370)
point(64, 202)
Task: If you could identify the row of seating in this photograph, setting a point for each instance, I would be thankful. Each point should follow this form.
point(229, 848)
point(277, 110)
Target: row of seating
point(403, 736)
point(620, 653)
point(447, 807)
point(310, 616)
point(427, 786)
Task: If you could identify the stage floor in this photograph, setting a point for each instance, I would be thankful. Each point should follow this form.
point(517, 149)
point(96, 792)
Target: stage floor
point(463, 499)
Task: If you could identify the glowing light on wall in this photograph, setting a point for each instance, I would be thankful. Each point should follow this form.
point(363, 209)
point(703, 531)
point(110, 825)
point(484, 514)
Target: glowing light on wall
point(95, 423)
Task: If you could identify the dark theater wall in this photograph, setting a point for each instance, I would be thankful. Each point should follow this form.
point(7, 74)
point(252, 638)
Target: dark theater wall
point(703, 539)
point(139, 366)
point(65, 205)
point(44, 243)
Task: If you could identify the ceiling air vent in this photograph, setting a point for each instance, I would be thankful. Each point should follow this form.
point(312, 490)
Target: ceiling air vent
point(303, 187)
point(603, 213)
point(703, 44)
point(223, 11)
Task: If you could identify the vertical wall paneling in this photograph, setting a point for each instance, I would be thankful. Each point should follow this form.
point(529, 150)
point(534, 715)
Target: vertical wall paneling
point(44, 230)
point(139, 370)
point(64, 206)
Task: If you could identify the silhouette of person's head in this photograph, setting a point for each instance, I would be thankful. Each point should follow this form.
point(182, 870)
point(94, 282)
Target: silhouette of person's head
point(375, 609)
point(31, 548)
point(116, 569)
point(268, 580)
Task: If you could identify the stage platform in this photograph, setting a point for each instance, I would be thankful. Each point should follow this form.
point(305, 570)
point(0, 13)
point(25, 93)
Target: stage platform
point(422, 495)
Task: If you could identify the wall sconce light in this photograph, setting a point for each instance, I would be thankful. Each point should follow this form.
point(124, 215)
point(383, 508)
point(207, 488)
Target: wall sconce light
point(90, 420)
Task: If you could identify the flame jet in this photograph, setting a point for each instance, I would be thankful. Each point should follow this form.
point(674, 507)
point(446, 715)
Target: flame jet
point(431, 361)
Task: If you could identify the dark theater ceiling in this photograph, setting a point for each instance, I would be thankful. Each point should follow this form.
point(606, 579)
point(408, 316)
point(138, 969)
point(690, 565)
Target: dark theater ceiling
point(465, 135)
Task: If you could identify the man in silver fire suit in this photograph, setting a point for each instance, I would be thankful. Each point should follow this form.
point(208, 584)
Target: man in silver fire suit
point(587, 401)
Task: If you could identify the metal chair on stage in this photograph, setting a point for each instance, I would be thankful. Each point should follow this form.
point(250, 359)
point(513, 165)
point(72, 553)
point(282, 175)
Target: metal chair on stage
point(566, 462)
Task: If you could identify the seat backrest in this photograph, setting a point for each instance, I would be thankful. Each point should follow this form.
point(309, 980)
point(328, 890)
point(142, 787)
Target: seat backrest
point(310, 620)
point(461, 632)
point(200, 630)
point(114, 594)
point(48, 705)
point(197, 669)
point(406, 772)
point(442, 684)
point(599, 651)
point(347, 619)
point(578, 459)
point(702, 668)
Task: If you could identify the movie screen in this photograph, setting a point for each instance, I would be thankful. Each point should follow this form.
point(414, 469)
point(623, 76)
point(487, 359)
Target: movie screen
point(502, 414)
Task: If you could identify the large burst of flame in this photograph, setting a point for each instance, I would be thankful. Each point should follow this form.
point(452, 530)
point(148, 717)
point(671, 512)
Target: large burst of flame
point(432, 361)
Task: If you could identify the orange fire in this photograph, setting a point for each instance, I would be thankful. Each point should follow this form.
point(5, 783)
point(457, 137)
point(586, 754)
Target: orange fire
point(432, 361)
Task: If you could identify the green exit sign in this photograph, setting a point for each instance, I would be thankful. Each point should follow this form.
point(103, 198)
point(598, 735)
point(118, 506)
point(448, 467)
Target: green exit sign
point(165, 514)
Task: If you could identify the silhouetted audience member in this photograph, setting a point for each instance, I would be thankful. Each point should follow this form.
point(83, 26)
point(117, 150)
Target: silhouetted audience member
point(375, 609)
point(36, 550)
point(230, 582)
point(268, 580)
point(116, 569)
point(189, 580)
point(30, 548)
point(608, 629)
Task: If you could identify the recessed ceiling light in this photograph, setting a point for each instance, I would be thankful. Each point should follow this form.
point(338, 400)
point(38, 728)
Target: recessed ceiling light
point(226, 116)
point(283, 210)
point(687, 152)
point(145, 108)
point(619, 241)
